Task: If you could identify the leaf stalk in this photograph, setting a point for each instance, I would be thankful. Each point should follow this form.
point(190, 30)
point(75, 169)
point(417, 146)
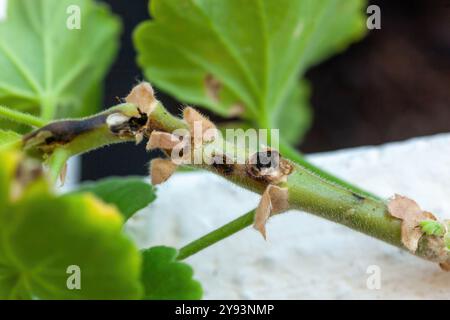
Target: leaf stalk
point(21, 117)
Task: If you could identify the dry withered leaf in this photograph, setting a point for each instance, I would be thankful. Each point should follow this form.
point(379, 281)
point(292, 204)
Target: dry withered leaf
point(143, 96)
point(63, 174)
point(162, 140)
point(445, 266)
point(200, 127)
point(274, 200)
point(411, 215)
point(161, 170)
point(139, 137)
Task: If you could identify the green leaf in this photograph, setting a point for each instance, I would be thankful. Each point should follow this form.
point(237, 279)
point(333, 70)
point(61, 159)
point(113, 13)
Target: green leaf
point(44, 236)
point(8, 138)
point(128, 194)
point(295, 117)
point(49, 67)
point(164, 278)
point(224, 54)
point(91, 100)
point(432, 228)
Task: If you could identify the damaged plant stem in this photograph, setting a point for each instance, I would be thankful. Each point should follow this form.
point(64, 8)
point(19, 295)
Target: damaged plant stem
point(289, 185)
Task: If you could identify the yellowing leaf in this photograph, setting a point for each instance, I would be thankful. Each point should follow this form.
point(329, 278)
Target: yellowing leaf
point(62, 247)
point(8, 138)
point(128, 194)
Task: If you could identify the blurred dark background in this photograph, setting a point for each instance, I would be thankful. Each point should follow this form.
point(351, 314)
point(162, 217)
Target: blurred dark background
point(393, 85)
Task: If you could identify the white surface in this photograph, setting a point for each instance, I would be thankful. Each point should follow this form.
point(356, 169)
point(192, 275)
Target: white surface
point(306, 257)
point(3, 4)
point(73, 174)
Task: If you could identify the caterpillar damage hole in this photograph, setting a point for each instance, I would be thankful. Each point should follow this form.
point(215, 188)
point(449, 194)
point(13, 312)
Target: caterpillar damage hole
point(269, 166)
point(124, 126)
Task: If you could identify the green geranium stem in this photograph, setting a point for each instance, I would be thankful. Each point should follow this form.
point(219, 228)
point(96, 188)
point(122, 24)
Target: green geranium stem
point(297, 157)
point(21, 117)
point(215, 236)
point(323, 195)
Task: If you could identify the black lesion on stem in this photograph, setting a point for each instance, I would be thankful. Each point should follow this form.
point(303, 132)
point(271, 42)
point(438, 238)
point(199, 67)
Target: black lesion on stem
point(358, 197)
point(64, 131)
point(136, 123)
point(222, 165)
point(267, 159)
point(261, 162)
point(129, 126)
point(269, 166)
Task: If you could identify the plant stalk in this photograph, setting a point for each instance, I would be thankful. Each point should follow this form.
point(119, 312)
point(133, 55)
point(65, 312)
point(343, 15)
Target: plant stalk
point(21, 117)
point(307, 191)
point(215, 236)
point(297, 157)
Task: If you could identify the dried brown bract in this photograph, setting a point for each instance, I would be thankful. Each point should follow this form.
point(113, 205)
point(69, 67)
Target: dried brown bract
point(162, 140)
point(274, 200)
point(411, 215)
point(445, 266)
point(135, 126)
point(143, 96)
point(63, 174)
point(161, 170)
point(201, 128)
point(434, 248)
